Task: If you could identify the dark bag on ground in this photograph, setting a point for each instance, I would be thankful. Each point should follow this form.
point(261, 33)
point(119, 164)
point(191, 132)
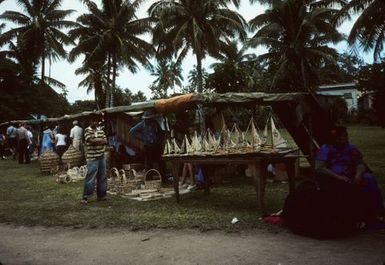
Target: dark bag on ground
point(321, 214)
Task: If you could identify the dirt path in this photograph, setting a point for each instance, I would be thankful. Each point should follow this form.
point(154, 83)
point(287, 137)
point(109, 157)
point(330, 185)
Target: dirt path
point(38, 245)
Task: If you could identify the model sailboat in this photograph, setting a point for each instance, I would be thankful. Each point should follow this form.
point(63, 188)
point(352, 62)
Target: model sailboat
point(251, 137)
point(271, 136)
point(168, 148)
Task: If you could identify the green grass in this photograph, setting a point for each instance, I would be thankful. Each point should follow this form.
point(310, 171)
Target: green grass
point(29, 198)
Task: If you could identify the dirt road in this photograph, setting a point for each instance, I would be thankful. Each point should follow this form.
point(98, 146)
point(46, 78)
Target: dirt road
point(39, 245)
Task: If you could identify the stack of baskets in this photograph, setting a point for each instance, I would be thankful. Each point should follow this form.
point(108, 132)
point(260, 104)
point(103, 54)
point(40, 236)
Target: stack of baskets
point(49, 162)
point(72, 157)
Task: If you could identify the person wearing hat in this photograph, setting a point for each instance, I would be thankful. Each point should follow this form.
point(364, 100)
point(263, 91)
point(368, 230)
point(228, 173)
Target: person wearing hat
point(76, 135)
point(149, 132)
point(342, 172)
point(95, 142)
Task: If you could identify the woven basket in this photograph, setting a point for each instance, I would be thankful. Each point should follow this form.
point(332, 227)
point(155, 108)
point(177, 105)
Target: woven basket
point(152, 179)
point(121, 182)
point(73, 157)
point(49, 161)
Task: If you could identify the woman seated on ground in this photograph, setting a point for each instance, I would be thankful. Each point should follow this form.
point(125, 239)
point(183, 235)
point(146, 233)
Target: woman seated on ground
point(341, 171)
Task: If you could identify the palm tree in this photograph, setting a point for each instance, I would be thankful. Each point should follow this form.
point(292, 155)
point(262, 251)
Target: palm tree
point(197, 25)
point(95, 80)
point(112, 35)
point(237, 62)
point(194, 78)
point(39, 32)
point(24, 65)
point(369, 28)
point(169, 75)
point(296, 37)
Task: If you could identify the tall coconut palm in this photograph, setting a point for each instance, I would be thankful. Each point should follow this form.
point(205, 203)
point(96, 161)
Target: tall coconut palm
point(236, 70)
point(296, 37)
point(168, 75)
point(39, 29)
point(112, 34)
point(95, 80)
point(25, 66)
point(196, 25)
point(369, 28)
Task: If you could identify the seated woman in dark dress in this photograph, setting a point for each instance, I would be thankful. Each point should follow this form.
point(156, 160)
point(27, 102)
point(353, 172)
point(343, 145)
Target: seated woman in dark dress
point(341, 170)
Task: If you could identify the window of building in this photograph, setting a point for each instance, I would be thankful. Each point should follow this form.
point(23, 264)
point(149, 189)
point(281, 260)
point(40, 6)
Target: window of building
point(347, 96)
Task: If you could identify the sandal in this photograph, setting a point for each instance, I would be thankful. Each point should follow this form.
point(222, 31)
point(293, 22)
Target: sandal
point(84, 201)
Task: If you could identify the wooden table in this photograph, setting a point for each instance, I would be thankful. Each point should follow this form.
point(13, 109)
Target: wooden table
point(257, 163)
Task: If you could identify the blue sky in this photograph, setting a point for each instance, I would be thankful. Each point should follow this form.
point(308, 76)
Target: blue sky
point(65, 72)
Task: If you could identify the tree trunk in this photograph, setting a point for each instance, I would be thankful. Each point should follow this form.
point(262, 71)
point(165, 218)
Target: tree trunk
point(108, 81)
point(199, 74)
point(114, 66)
point(199, 114)
point(42, 67)
point(96, 100)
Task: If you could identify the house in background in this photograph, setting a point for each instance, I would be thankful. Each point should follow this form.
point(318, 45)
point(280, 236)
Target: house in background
point(365, 101)
point(347, 91)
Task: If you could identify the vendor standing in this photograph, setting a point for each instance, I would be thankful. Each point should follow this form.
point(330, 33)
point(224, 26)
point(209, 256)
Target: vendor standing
point(12, 139)
point(149, 132)
point(23, 142)
point(95, 141)
point(76, 135)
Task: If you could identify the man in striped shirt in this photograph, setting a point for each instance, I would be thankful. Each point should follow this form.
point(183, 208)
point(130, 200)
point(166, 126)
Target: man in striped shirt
point(95, 140)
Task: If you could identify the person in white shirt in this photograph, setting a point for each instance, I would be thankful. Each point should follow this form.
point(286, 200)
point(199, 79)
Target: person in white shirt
point(31, 144)
point(61, 144)
point(76, 135)
point(23, 138)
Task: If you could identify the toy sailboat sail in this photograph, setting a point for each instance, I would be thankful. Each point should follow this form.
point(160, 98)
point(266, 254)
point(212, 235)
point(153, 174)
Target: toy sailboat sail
point(213, 143)
point(225, 137)
point(195, 143)
point(205, 145)
point(252, 138)
point(167, 148)
point(271, 136)
point(176, 147)
point(235, 136)
point(186, 145)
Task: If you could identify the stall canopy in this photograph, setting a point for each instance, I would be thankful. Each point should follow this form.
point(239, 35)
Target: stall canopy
point(301, 113)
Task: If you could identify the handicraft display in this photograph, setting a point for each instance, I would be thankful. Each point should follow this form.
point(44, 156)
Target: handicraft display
point(230, 141)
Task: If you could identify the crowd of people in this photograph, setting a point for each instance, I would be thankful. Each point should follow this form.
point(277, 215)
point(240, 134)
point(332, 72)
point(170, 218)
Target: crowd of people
point(23, 142)
point(17, 142)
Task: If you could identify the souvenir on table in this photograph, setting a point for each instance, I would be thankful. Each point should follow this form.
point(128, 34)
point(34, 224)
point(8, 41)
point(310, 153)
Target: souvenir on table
point(195, 143)
point(188, 146)
point(251, 137)
point(271, 136)
point(232, 141)
point(167, 148)
point(176, 147)
point(235, 137)
point(213, 143)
